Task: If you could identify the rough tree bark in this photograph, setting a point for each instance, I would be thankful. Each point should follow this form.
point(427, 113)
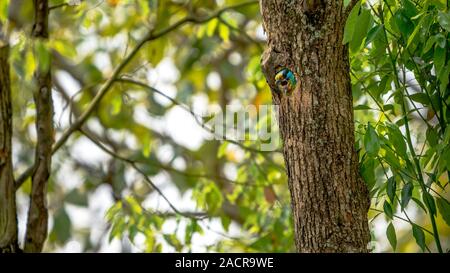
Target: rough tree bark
point(38, 213)
point(329, 199)
point(8, 217)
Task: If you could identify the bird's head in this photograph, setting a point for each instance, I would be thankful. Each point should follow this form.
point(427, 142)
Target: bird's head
point(285, 81)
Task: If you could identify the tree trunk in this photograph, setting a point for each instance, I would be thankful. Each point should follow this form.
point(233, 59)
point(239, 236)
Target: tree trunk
point(8, 217)
point(329, 198)
point(38, 213)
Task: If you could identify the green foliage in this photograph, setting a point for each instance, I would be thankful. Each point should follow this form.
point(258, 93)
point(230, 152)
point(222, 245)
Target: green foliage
point(419, 235)
point(399, 57)
point(392, 237)
point(371, 141)
point(61, 231)
point(4, 10)
point(400, 81)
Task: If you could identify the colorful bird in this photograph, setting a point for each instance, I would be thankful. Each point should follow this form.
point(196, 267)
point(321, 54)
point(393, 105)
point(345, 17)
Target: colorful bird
point(285, 81)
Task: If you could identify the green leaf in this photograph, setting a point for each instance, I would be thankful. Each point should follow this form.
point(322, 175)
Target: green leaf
point(403, 22)
point(441, 40)
point(371, 141)
point(360, 32)
point(419, 236)
point(444, 209)
point(444, 20)
point(351, 24)
point(172, 240)
point(76, 198)
point(211, 27)
point(397, 140)
point(222, 149)
point(429, 201)
point(116, 103)
point(226, 221)
point(409, 8)
point(361, 107)
point(30, 65)
point(213, 197)
point(4, 10)
point(419, 203)
point(432, 137)
point(388, 107)
point(155, 51)
point(190, 230)
point(406, 194)
point(439, 58)
point(113, 211)
point(224, 32)
point(445, 157)
point(117, 228)
point(429, 44)
point(146, 145)
point(149, 241)
point(384, 85)
point(444, 78)
point(134, 205)
point(62, 225)
point(132, 231)
point(392, 237)
point(373, 33)
point(391, 187)
point(420, 98)
point(43, 56)
point(63, 47)
point(367, 171)
point(388, 210)
point(201, 31)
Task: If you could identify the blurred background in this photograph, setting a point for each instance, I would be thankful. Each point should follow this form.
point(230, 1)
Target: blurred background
point(143, 175)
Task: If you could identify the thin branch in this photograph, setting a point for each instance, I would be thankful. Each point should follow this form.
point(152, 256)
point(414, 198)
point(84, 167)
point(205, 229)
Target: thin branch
point(197, 20)
point(372, 96)
point(242, 32)
point(66, 4)
point(58, 6)
point(36, 231)
point(190, 214)
point(403, 219)
point(136, 168)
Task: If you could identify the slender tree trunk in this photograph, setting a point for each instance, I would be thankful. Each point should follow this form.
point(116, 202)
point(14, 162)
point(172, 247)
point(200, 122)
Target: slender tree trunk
point(8, 217)
point(329, 199)
point(38, 213)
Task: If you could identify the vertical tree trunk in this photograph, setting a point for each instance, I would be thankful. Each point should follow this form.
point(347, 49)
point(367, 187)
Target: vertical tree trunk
point(329, 199)
point(38, 213)
point(8, 217)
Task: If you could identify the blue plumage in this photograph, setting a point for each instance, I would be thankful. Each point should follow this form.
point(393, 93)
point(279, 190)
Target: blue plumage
point(285, 81)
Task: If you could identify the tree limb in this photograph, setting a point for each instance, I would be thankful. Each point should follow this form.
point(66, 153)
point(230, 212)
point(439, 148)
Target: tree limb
point(136, 168)
point(8, 215)
point(36, 231)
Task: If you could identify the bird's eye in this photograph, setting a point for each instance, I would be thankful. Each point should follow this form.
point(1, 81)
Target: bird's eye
point(283, 82)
